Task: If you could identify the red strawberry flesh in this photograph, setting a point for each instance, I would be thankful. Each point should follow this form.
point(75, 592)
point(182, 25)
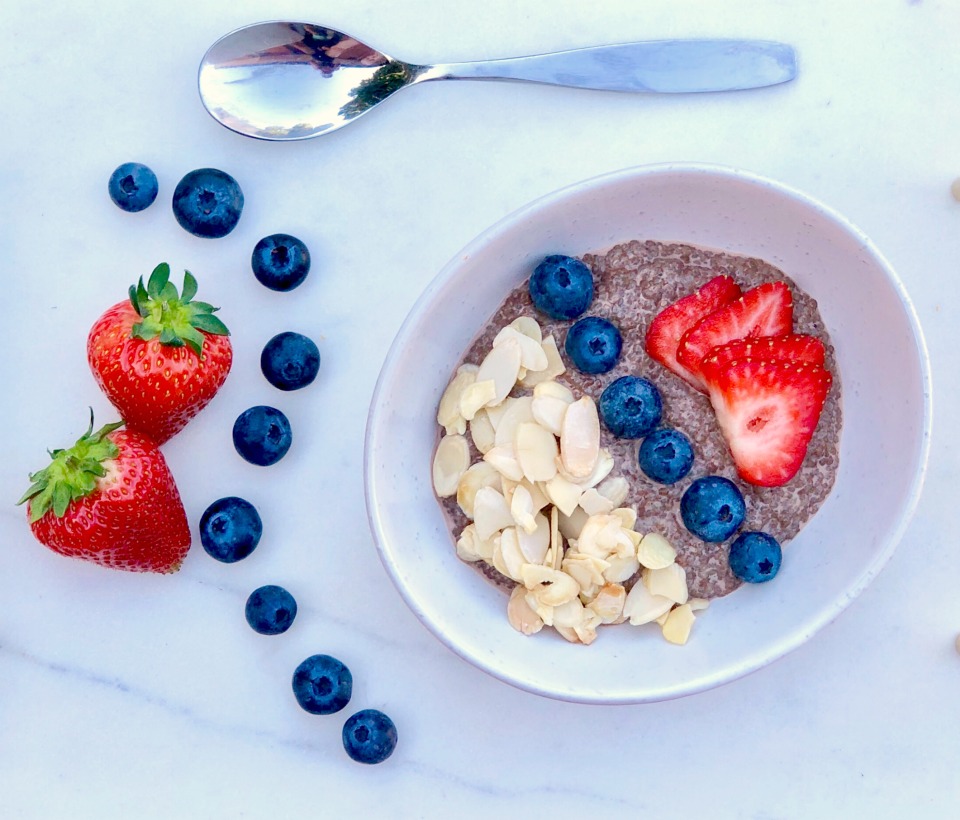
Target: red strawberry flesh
point(669, 326)
point(793, 346)
point(766, 310)
point(767, 412)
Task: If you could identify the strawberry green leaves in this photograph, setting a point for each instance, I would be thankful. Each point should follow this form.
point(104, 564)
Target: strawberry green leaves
point(173, 317)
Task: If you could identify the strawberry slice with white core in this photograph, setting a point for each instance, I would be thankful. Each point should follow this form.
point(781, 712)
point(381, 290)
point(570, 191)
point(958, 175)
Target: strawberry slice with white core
point(797, 347)
point(669, 326)
point(766, 310)
point(767, 412)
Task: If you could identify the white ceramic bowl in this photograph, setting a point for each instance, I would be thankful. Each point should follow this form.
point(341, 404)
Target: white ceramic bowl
point(884, 444)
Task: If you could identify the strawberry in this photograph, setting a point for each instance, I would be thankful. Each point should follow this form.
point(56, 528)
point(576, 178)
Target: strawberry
point(110, 499)
point(767, 412)
point(669, 325)
point(766, 310)
point(791, 346)
point(160, 357)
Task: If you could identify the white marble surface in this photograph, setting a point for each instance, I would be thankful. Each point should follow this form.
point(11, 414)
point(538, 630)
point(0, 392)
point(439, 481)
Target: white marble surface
point(126, 696)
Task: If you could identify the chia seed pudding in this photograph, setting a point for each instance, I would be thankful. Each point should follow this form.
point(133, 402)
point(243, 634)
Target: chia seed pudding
point(633, 282)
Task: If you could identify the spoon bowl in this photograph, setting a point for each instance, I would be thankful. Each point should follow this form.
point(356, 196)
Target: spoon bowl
point(291, 81)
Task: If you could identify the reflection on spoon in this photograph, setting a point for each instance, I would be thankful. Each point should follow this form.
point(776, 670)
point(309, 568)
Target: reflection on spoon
point(286, 81)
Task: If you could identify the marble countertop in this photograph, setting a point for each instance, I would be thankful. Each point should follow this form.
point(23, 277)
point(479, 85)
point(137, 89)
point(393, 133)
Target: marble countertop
point(132, 696)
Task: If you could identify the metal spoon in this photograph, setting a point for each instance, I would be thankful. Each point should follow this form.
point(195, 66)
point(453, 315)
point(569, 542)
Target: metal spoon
point(290, 81)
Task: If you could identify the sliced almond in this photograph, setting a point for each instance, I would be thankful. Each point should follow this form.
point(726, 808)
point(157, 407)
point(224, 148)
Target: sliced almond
point(608, 604)
point(669, 582)
point(564, 494)
point(477, 475)
point(450, 462)
point(448, 412)
point(601, 470)
point(656, 552)
point(556, 543)
point(697, 604)
point(495, 413)
point(534, 545)
point(587, 571)
point(615, 489)
point(572, 525)
point(580, 438)
point(528, 326)
point(521, 508)
point(502, 365)
point(621, 568)
point(595, 504)
point(568, 634)
point(509, 555)
point(568, 614)
point(520, 615)
point(532, 356)
point(519, 411)
point(555, 366)
point(549, 412)
point(490, 513)
point(504, 460)
point(627, 516)
point(537, 451)
point(587, 629)
point(553, 390)
point(549, 586)
point(642, 607)
point(482, 432)
point(676, 628)
point(467, 544)
point(477, 395)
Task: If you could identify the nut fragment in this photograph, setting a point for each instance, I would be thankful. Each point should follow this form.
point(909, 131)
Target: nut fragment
point(555, 366)
point(528, 326)
point(520, 615)
point(448, 412)
point(518, 411)
point(502, 365)
point(580, 438)
point(676, 628)
point(477, 475)
point(572, 525)
point(536, 450)
point(490, 513)
point(550, 587)
point(532, 356)
point(482, 432)
point(534, 545)
point(504, 460)
point(641, 607)
point(656, 552)
point(521, 508)
point(594, 503)
point(608, 603)
point(450, 462)
point(615, 489)
point(669, 582)
point(477, 395)
point(507, 558)
point(564, 494)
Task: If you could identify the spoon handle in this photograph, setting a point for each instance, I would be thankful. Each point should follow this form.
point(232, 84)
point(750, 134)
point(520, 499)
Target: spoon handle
point(664, 66)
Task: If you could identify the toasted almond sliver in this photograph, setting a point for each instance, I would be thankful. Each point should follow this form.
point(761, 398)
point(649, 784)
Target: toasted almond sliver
point(621, 568)
point(549, 412)
point(564, 494)
point(534, 545)
point(555, 366)
point(550, 587)
point(627, 516)
point(448, 411)
point(477, 395)
point(640, 607)
point(467, 544)
point(580, 438)
point(586, 570)
point(669, 582)
point(521, 508)
point(528, 326)
point(450, 462)
point(504, 460)
point(509, 553)
point(568, 614)
point(537, 451)
point(532, 356)
point(490, 513)
point(609, 603)
point(482, 432)
point(615, 489)
point(676, 628)
point(594, 503)
point(520, 615)
point(656, 552)
point(502, 365)
point(477, 475)
point(519, 411)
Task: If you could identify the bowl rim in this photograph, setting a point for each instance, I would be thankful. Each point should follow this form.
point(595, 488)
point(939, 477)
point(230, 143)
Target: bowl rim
point(818, 620)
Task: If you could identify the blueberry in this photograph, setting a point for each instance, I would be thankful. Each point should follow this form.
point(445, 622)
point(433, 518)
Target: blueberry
point(666, 455)
point(712, 508)
point(322, 685)
point(280, 261)
point(755, 557)
point(133, 186)
point(369, 736)
point(270, 610)
point(230, 529)
point(262, 435)
point(594, 345)
point(630, 407)
point(561, 287)
point(290, 361)
point(208, 203)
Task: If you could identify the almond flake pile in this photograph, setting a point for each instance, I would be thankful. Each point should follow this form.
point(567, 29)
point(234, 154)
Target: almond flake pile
point(544, 508)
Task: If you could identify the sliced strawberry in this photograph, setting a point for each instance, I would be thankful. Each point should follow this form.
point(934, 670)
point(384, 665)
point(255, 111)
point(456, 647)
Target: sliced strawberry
point(668, 326)
point(766, 310)
point(767, 412)
point(791, 346)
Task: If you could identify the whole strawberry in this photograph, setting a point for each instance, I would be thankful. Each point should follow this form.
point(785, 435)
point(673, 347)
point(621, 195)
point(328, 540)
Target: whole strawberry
point(160, 356)
point(110, 499)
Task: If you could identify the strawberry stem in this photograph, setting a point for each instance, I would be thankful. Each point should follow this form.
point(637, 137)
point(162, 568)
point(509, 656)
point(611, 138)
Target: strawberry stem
point(173, 318)
point(72, 473)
